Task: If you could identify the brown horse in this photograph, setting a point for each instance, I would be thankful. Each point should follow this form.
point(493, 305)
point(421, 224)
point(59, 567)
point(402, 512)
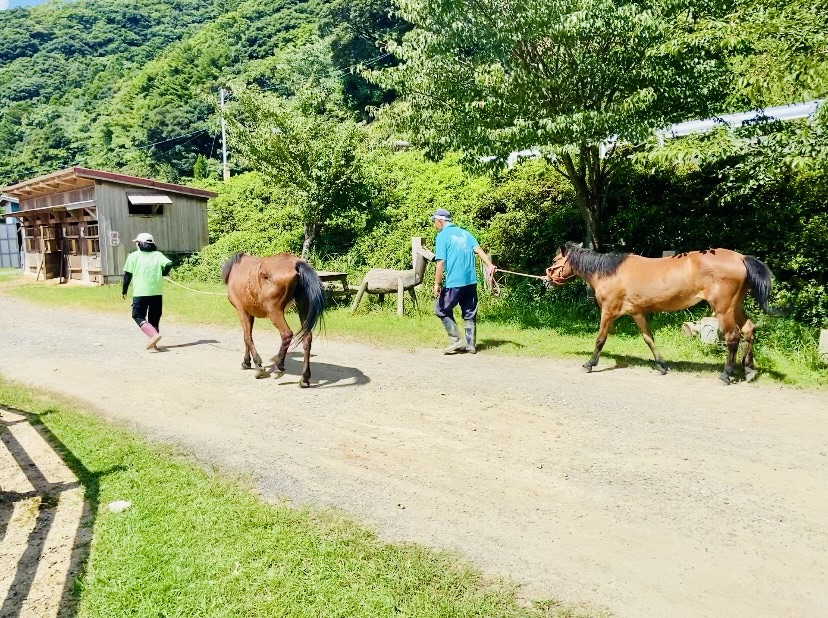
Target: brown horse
point(628, 284)
point(264, 288)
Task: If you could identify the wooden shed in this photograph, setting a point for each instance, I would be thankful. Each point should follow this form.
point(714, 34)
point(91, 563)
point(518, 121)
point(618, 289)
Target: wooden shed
point(9, 236)
point(79, 223)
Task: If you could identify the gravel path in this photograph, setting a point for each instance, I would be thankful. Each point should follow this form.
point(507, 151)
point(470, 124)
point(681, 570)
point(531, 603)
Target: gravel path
point(623, 489)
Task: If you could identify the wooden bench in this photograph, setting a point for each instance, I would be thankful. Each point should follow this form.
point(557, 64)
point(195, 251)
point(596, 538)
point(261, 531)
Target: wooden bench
point(332, 280)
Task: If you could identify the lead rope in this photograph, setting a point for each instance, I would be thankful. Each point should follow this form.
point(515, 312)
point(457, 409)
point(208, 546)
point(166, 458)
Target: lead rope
point(495, 285)
point(193, 290)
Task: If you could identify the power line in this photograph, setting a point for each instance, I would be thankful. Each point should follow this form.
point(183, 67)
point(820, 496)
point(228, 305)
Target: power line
point(172, 139)
point(213, 146)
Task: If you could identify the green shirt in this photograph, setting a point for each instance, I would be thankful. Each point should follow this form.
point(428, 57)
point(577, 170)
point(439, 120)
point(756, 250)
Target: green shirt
point(145, 267)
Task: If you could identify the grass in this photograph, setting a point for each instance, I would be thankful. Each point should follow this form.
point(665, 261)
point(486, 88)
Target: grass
point(197, 544)
point(527, 321)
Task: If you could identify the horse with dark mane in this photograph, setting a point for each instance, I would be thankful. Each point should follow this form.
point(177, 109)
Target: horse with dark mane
point(264, 288)
point(628, 284)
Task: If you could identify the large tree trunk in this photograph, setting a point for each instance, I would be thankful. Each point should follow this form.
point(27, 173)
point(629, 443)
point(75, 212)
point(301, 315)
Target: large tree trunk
point(590, 181)
point(310, 236)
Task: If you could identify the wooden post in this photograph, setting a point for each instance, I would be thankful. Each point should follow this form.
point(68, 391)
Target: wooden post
point(823, 346)
point(400, 297)
point(416, 244)
point(359, 294)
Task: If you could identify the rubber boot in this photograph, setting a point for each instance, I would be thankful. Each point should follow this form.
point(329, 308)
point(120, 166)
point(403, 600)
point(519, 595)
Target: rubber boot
point(455, 343)
point(149, 330)
point(471, 336)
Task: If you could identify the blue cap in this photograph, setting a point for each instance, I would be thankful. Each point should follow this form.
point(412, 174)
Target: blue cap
point(440, 213)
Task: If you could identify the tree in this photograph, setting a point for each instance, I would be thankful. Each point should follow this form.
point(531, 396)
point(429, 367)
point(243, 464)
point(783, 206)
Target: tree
point(780, 50)
point(301, 144)
point(492, 76)
point(358, 31)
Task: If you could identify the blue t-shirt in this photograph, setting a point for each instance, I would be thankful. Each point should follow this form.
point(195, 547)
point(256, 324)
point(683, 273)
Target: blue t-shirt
point(456, 246)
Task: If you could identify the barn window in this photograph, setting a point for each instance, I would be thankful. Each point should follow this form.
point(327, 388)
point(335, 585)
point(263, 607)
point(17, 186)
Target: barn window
point(147, 205)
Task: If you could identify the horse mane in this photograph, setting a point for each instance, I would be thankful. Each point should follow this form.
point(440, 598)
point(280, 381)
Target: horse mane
point(228, 265)
point(589, 262)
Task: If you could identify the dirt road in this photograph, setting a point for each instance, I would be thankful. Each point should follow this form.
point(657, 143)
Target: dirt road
point(647, 495)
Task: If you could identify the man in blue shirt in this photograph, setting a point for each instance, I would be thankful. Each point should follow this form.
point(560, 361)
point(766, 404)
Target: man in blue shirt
point(454, 252)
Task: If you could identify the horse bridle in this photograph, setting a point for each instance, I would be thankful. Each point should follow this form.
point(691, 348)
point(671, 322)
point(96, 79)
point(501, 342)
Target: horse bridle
point(560, 280)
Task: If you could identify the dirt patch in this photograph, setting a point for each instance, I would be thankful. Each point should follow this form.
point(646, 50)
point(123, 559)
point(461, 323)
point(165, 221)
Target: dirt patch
point(623, 489)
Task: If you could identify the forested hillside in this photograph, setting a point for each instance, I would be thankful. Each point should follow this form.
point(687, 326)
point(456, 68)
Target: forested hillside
point(320, 92)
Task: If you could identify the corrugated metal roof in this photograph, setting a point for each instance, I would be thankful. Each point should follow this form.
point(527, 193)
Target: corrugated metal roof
point(75, 177)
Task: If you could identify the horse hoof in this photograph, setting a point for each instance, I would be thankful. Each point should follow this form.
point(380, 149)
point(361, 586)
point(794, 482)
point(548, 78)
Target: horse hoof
point(587, 367)
point(304, 384)
point(662, 369)
point(750, 375)
point(246, 366)
point(725, 379)
point(261, 374)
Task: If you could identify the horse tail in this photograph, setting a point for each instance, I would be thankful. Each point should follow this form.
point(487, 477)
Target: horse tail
point(228, 266)
point(310, 298)
point(759, 277)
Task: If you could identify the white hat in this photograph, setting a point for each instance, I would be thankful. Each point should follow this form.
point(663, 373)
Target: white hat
point(144, 237)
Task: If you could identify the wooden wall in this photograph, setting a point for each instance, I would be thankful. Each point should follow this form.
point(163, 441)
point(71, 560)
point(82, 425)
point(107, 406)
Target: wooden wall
point(181, 229)
point(56, 199)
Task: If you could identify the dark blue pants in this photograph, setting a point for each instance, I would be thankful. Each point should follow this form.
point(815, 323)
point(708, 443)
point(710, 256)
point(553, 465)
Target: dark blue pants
point(449, 298)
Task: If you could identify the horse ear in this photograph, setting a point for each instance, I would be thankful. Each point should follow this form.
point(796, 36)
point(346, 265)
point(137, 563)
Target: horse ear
point(580, 245)
point(562, 250)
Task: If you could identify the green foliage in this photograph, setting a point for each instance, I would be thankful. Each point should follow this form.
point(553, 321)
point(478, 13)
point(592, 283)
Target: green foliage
point(408, 188)
point(777, 50)
point(759, 191)
point(135, 89)
point(251, 215)
point(488, 78)
point(527, 215)
point(304, 145)
point(60, 62)
point(359, 34)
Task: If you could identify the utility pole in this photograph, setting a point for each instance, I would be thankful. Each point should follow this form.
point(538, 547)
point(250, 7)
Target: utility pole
point(226, 170)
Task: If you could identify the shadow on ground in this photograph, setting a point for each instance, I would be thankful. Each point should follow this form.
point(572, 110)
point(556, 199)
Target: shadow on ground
point(50, 500)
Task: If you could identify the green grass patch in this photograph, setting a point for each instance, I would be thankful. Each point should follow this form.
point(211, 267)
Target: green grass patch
point(8, 274)
point(526, 321)
point(196, 544)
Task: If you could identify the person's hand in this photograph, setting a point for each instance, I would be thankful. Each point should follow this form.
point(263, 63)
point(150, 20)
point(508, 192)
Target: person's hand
point(436, 290)
point(490, 270)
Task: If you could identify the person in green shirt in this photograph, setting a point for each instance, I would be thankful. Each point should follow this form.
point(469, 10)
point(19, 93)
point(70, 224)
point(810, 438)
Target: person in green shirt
point(145, 268)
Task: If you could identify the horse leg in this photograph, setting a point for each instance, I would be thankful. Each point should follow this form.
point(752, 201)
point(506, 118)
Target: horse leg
point(748, 329)
point(278, 319)
point(247, 332)
point(606, 322)
point(306, 372)
point(732, 337)
point(641, 321)
point(306, 347)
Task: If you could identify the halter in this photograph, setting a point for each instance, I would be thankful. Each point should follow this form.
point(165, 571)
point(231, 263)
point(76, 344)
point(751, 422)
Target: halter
point(560, 280)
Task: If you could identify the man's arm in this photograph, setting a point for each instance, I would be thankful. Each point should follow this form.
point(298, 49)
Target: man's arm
point(438, 276)
point(485, 259)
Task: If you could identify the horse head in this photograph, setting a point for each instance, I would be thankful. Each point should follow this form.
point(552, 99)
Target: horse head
point(561, 270)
